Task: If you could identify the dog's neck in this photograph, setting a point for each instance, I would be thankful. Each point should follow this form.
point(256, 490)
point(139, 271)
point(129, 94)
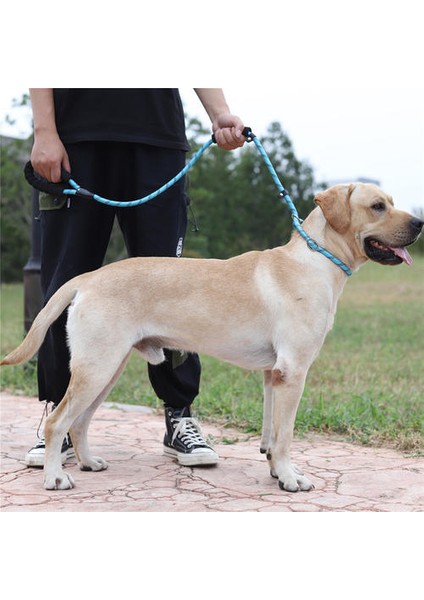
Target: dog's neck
point(341, 246)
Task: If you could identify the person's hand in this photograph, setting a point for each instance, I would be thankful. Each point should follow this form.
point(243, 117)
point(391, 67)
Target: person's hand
point(48, 156)
point(227, 129)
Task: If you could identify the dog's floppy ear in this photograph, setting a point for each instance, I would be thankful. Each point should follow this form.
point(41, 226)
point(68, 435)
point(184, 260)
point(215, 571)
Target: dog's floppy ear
point(335, 204)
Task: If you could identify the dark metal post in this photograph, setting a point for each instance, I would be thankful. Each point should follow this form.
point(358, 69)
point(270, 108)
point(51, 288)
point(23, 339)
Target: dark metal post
point(33, 297)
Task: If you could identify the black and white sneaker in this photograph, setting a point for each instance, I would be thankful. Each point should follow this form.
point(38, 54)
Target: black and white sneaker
point(35, 456)
point(184, 440)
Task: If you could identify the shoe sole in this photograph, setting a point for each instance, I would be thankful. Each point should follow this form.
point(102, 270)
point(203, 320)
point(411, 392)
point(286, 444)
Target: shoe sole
point(192, 460)
point(38, 461)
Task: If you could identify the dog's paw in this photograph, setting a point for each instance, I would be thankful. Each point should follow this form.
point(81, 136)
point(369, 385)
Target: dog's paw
point(292, 479)
point(94, 463)
point(290, 476)
point(295, 483)
point(60, 481)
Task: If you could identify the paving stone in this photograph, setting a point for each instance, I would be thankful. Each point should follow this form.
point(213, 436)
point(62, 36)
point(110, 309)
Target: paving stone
point(141, 479)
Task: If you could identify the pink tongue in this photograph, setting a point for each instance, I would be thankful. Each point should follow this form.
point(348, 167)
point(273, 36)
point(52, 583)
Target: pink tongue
point(403, 254)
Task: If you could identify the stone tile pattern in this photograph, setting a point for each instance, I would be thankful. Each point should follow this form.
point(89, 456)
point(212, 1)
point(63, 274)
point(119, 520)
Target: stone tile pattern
point(139, 478)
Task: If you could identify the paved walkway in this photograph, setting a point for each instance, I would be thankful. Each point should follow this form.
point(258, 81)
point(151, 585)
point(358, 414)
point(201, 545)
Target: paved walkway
point(140, 478)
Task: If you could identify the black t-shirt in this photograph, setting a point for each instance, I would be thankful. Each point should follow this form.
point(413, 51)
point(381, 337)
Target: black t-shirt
point(151, 116)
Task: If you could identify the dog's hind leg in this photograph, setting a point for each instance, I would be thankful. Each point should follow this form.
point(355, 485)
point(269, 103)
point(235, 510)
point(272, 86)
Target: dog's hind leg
point(55, 478)
point(90, 379)
point(79, 429)
point(267, 412)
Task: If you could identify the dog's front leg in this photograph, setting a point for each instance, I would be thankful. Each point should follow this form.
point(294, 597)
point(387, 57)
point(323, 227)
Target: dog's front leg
point(287, 390)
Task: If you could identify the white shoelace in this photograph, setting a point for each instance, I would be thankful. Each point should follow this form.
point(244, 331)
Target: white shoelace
point(189, 431)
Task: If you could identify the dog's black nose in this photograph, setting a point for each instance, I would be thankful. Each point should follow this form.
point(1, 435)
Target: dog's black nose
point(417, 223)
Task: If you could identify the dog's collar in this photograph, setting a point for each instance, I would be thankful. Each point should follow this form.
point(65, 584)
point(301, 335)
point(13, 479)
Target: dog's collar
point(312, 244)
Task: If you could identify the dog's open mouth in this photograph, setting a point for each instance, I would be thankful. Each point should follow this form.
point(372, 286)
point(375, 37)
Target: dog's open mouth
point(386, 255)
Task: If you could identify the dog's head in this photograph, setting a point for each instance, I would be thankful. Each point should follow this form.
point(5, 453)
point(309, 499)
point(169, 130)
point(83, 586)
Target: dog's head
point(366, 214)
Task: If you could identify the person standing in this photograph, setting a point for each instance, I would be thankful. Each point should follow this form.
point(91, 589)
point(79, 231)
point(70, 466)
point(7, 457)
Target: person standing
point(121, 144)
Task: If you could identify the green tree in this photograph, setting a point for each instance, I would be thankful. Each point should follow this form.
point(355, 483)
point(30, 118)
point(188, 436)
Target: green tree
point(16, 209)
point(235, 200)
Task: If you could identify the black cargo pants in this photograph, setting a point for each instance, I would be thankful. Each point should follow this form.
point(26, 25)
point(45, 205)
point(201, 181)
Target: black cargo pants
point(75, 236)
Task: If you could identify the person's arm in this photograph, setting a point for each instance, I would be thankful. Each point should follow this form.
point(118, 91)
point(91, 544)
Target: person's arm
point(48, 153)
point(226, 127)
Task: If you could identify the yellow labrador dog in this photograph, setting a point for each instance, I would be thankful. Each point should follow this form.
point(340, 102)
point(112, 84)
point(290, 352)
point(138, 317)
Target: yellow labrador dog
point(267, 310)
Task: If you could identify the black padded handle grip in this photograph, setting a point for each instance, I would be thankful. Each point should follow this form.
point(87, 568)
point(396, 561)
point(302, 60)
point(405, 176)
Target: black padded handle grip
point(43, 185)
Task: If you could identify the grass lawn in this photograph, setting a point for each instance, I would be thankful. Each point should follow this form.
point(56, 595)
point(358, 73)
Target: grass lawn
point(367, 384)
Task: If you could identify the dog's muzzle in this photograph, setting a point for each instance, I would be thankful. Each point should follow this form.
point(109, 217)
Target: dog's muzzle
point(387, 254)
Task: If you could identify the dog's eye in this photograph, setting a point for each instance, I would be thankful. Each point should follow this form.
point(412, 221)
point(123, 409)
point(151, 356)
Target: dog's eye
point(379, 206)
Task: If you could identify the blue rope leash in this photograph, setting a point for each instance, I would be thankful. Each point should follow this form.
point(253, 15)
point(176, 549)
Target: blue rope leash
point(76, 190)
point(294, 214)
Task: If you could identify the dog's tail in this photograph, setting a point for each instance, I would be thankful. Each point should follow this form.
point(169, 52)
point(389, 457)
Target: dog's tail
point(53, 309)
